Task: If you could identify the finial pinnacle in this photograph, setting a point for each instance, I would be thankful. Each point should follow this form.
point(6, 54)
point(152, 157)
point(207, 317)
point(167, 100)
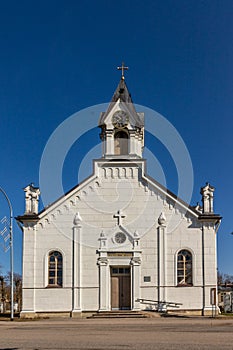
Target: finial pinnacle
point(122, 68)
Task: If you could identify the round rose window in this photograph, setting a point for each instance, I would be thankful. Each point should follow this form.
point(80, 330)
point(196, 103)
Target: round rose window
point(120, 237)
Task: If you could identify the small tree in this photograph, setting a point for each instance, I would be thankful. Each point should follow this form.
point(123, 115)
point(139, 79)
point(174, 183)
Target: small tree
point(3, 293)
point(224, 278)
point(18, 289)
point(220, 278)
point(228, 279)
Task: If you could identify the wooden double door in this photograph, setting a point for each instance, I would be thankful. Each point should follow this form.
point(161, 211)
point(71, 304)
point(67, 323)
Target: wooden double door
point(120, 288)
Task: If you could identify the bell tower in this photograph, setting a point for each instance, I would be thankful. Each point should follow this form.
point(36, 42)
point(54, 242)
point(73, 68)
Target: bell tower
point(122, 128)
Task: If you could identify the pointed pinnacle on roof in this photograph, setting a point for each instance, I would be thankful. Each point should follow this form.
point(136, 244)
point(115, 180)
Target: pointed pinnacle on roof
point(122, 93)
point(122, 68)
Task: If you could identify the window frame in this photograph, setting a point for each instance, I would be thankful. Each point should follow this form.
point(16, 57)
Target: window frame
point(58, 269)
point(186, 273)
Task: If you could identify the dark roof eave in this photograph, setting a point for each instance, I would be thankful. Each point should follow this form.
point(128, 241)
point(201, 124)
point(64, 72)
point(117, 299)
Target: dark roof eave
point(27, 217)
point(210, 217)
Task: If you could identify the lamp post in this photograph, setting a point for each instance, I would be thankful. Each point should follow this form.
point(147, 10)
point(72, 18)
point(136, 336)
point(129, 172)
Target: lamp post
point(11, 253)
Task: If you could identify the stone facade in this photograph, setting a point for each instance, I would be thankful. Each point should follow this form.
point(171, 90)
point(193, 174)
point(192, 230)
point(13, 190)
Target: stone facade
point(119, 240)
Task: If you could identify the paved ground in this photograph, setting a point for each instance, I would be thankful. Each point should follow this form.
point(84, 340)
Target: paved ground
point(126, 334)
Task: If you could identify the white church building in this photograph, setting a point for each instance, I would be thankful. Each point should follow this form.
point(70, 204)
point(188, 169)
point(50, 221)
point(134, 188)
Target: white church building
point(119, 240)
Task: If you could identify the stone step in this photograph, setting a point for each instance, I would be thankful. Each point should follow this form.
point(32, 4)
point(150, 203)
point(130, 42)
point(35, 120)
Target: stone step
point(118, 314)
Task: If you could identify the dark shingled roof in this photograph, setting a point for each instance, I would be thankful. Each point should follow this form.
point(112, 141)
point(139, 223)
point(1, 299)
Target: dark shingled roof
point(122, 93)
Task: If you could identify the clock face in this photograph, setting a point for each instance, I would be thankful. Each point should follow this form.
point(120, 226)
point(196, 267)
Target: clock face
point(120, 119)
point(120, 237)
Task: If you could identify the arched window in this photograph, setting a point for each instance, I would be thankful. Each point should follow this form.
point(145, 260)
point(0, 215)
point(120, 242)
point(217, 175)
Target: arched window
point(121, 143)
point(184, 268)
point(55, 269)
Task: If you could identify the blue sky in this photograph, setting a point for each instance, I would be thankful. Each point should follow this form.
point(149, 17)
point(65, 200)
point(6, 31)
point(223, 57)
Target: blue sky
point(58, 57)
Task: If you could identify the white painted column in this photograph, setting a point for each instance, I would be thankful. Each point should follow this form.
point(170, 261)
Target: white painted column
point(162, 262)
point(77, 267)
point(140, 145)
point(131, 142)
point(209, 265)
point(109, 143)
point(103, 282)
point(29, 267)
point(136, 143)
point(135, 283)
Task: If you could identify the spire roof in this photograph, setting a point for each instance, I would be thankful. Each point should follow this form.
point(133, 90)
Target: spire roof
point(123, 95)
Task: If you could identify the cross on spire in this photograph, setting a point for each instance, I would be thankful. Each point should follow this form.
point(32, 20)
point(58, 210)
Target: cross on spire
point(122, 68)
point(119, 217)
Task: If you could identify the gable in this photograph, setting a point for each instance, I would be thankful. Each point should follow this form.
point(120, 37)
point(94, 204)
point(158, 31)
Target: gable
point(115, 186)
point(135, 119)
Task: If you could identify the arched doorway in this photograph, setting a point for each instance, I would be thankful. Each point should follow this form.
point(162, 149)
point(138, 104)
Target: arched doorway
point(121, 143)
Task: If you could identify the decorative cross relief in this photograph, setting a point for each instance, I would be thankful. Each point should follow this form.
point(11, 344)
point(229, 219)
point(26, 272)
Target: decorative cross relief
point(119, 216)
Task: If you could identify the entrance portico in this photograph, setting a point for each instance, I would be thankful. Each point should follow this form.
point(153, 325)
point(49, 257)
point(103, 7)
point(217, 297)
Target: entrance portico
point(119, 280)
